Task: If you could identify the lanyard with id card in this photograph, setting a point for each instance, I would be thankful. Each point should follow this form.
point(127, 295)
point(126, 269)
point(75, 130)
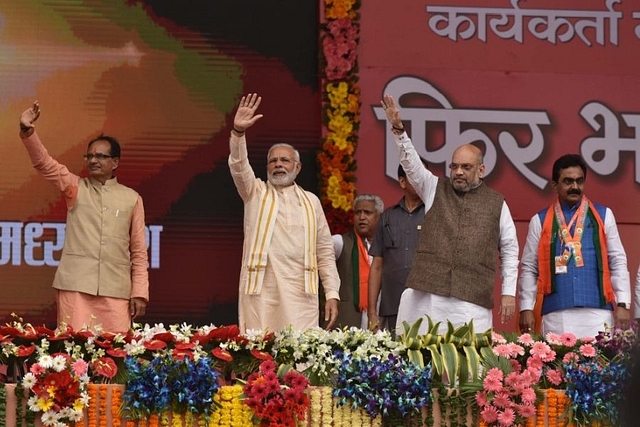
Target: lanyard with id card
point(572, 243)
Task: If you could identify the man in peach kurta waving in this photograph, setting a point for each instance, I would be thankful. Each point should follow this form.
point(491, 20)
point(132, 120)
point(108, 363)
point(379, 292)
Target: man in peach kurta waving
point(102, 280)
point(287, 244)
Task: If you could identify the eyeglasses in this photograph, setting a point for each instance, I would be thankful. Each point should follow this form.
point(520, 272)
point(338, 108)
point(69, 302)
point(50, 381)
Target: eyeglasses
point(467, 167)
point(97, 156)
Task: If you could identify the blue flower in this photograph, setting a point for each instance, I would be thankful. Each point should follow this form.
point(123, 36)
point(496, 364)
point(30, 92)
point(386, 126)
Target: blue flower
point(389, 387)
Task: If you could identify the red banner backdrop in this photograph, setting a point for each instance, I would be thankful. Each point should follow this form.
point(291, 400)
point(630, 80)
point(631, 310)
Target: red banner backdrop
point(530, 81)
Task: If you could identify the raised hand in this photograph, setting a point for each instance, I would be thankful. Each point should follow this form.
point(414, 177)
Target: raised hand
point(246, 115)
point(29, 116)
point(392, 111)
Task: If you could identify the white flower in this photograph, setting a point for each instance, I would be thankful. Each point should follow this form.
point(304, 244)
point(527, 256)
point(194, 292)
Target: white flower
point(46, 361)
point(50, 418)
point(28, 380)
point(59, 363)
point(32, 402)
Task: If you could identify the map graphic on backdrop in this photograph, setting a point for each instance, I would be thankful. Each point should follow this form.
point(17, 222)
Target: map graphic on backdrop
point(165, 82)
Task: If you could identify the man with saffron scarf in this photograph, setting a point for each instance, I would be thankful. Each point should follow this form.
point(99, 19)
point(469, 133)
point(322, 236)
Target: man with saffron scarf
point(466, 225)
point(352, 257)
point(573, 263)
point(287, 243)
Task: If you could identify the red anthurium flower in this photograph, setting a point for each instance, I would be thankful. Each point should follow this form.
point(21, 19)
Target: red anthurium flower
point(164, 336)
point(222, 354)
point(262, 355)
point(117, 352)
point(181, 354)
point(105, 366)
point(26, 351)
point(84, 334)
point(201, 338)
point(185, 346)
point(102, 342)
point(43, 330)
point(155, 345)
point(224, 333)
point(108, 336)
point(9, 330)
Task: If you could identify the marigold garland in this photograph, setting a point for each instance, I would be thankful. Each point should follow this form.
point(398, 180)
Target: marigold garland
point(116, 401)
point(102, 418)
point(92, 410)
point(341, 108)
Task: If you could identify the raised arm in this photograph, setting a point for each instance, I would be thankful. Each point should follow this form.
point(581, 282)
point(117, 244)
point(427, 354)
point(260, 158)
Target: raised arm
point(246, 114)
point(241, 171)
point(422, 180)
point(28, 118)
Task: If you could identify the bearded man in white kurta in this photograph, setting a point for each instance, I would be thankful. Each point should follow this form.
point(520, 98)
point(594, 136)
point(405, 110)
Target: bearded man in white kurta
point(287, 243)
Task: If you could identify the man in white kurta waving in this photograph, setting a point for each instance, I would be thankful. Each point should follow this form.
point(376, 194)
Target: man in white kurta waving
point(287, 243)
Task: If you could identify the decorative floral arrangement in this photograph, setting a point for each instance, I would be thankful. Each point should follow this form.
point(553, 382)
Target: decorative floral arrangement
point(507, 395)
point(341, 105)
point(193, 362)
point(178, 385)
point(273, 402)
point(545, 354)
point(58, 388)
point(315, 351)
point(392, 386)
point(596, 389)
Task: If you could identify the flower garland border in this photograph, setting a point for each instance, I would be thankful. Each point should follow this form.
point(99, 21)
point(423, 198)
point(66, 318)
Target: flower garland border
point(339, 37)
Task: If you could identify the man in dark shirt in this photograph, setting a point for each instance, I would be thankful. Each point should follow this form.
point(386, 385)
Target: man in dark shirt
point(393, 246)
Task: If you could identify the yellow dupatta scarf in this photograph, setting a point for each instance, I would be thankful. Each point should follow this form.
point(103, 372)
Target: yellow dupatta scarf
point(261, 241)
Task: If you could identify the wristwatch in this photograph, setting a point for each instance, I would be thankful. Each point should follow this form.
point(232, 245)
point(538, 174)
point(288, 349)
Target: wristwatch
point(626, 305)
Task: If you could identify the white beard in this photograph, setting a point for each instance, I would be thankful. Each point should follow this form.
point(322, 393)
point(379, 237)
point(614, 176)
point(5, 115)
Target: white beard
point(282, 180)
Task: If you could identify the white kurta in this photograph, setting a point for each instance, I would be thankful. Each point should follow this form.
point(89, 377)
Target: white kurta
point(282, 300)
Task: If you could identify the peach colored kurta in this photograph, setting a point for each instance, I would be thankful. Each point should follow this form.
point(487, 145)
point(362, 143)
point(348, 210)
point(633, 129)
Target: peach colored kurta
point(83, 308)
point(282, 300)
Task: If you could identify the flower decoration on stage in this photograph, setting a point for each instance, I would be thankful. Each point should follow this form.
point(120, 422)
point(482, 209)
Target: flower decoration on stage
point(58, 388)
point(507, 395)
point(177, 384)
point(391, 386)
point(317, 353)
point(341, 110)
point(277, 398)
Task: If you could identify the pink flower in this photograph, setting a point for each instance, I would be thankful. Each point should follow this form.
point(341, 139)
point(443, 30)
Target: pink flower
point(528, 395)
point(526, 339)
point(568, 339)
point(496, 337)
point(543, 351)
point(502, 350)
point(36, 369)
point(569, 357)
point(534, 362)
point(501, 400)
point(489, 414)
point(527, 411)
point(79, 367)
point(587, 340)
point(587, 350)
point(507, 417)
point(516, 350)
point(554, 376)
point(481, 398)
point(553, 338)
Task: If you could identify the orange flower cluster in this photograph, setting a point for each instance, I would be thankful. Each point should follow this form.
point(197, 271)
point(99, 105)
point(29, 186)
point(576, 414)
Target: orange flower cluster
point(341, 110)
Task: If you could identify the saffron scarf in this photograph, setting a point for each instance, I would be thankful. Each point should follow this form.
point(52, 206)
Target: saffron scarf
point(547, 251)
point(360, 263)
point(261, 241)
